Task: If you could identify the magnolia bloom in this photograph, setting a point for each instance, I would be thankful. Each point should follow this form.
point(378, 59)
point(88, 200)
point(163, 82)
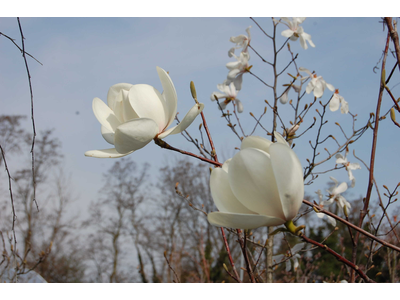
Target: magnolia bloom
point(336, 101)
point(295, 31)
point(331, 220)
point(291, 255)
point(237, 69)
point(262, 185)
point(334, 196)
point(316, 84)
point(229, 93)
point(340, 159)
point(241, 41)
point(136, 114)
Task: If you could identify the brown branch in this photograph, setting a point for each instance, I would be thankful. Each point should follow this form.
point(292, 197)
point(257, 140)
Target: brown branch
point(360, 230)
point(364, 211)
point(164, 145)
point(338, 257)
point(394, 36)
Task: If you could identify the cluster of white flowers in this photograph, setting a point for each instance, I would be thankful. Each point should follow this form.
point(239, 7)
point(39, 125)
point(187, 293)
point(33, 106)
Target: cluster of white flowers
point(233, 83)
point(295, 31)
point(136, 114)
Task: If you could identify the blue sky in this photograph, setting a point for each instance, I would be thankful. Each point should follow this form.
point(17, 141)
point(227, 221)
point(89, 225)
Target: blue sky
point(83, 57)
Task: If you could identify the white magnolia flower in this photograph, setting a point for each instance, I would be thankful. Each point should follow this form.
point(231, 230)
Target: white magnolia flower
point(340, 159)
point(295, 31)
point(294, 257)
point(336, 101)
point(241, 41)
point(316, 84)
point(229, 93)
point(331, 220)
point(334, 196)
point(136, 114)
point(262, 185)
point(237, 69)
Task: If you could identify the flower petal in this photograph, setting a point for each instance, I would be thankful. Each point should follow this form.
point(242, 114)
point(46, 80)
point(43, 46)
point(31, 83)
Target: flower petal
point(134, 134)
point(289, 178)
point(169, 94)
point(186, 121)
point(105, 153)
point(242, 221)
point(105, 115)
point(147, 102)
point(107, 134)
point(280, 139)
point(114, 91)
point(253, 183)
point(222, 194)
point(287, 33)
point(257, 142)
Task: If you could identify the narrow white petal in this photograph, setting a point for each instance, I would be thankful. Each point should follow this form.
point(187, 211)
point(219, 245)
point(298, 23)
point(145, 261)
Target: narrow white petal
point(107, 134)
point(134, 134)
point(345, 107)
point(334, 103)
point(252, 181)
point(310, 87)
point(222, 194)
point(331, 220)
point(105, 115)
point(288, 265)
point(242, 221)
point(318, 89)
point(330, 87)
point(147, 102)
point(289, 178)
point(303, 43)
point(186, 121)
point(170, 97)
point(239, 105)
point(105, 153)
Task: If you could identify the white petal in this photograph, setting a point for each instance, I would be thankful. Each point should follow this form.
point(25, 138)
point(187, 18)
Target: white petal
point(305, 70)
point(107, 134)
point(303, 43)
point(134, 134)
point(340, 189)
point(334, 103)
point(170, 96)
point(242, 221)
point(239, 105)
point(345, 107)
point(289, 178)
point(222, 194)
point(320, 215)
point(105, 115)
point(331, 220)
point(330, 87)
point(105, 153)
point(219, 96)
point(252, 181)
point(114, 91)
point(297, 248)
point(284, 98)
point(256, 142)
point(186, 121)
point(318, 89)
point(148, 103)
point(288, 265)
point(287, 33)
point(310, 87)
point(276, 259)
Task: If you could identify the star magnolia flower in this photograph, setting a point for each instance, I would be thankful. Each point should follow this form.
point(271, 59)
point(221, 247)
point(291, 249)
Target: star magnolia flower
point(295, 31)
point(331, 220)
point(262, 185)
point(241, 41)
point(229, 93)
point(292, 255)
point(334, 194)
point(136, 114)
point(336, 101)
point(237, 69)
point(316, 84)
point(340, 159)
